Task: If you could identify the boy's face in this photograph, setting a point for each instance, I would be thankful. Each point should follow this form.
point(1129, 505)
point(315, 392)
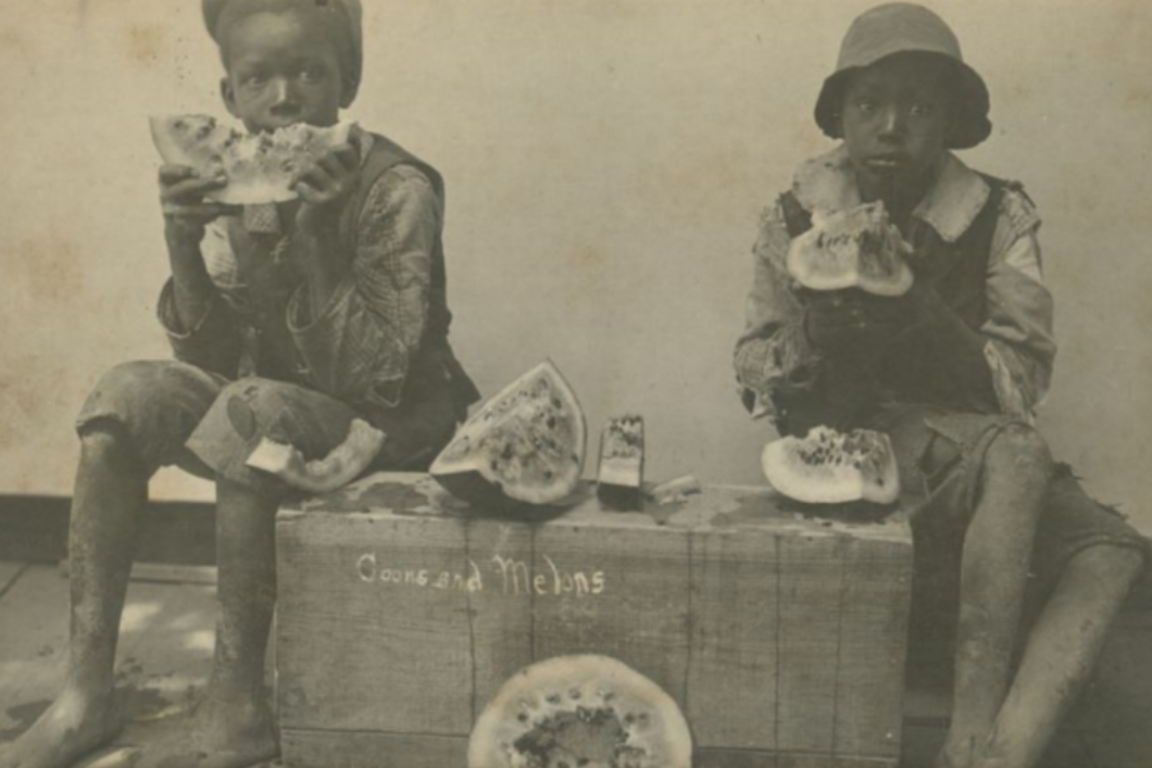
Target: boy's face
point(282, 71)
point(896, 117)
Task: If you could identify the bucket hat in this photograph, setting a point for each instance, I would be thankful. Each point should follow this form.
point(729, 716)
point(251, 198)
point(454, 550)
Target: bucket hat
point(905, 28)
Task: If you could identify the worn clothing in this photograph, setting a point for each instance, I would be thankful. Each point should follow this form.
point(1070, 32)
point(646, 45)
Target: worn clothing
point(974, 238)
point(378, 349)
point(773, 358)
point(175, 414)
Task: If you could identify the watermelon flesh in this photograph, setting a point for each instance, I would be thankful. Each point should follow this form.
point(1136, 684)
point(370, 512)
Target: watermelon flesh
point(261, 168)
point(830, 467)
point(524, 445)
point(583, 710)
point(857, 248)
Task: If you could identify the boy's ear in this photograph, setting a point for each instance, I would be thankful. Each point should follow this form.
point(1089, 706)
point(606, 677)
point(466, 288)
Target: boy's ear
point(228, 94)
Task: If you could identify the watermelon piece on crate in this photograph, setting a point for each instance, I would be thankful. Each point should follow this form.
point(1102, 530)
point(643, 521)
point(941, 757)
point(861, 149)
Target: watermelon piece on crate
point(525, 446)
point(830, 467)
point(620, 480)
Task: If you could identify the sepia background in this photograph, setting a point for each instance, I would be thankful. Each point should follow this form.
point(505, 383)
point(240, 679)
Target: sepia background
point(606, 164)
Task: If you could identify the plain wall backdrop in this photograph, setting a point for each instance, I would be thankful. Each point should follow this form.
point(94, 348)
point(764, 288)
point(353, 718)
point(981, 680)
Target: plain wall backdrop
point(606, 161)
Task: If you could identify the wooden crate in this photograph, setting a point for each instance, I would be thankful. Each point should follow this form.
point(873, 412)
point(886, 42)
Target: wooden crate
point(401, 613)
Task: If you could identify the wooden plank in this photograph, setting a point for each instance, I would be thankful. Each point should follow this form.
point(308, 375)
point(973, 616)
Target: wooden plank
point(304, 748)
point(873, 636)
point(811, 589)
point(373, 624)
point(733, 758)
point(33, 646)
point(500, 612)
point(10, 570)
point(624, 594)
point(732, 697)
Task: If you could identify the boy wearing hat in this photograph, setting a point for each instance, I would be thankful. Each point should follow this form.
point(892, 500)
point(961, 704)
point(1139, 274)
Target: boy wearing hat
point(287, 322)
point(953, 372)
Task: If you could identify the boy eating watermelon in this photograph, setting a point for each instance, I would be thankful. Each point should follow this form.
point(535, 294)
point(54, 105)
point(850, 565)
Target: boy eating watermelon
point(952, 370)
point(288, 323)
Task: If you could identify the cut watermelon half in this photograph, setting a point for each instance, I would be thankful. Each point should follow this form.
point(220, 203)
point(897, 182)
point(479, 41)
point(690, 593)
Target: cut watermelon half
point(588, 711)
point(261, 168)
point(526, 444)
point(830, 467)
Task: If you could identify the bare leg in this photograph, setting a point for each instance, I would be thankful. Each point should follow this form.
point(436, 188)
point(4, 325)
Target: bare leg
point(994, 571)
point(233, 724)
point(107, 510)
point(1061, 652)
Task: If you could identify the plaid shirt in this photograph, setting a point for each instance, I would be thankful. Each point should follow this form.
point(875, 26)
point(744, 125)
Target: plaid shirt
point(359, 346)
point(773, 355)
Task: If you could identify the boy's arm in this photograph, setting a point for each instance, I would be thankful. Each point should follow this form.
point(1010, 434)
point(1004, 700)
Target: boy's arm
point(202, 329)
point(773, 356)
point(358, 345)
point(1006, 364)
point(1021, 347)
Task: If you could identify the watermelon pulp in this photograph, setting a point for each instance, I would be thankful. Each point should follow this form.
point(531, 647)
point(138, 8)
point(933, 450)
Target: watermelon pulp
point(526, 444)
point(261, 168)
point(585, 710)
point(829, 467)
point(857, 248)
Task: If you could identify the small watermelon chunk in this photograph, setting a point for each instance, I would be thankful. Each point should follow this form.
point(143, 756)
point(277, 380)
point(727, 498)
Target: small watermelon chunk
point(830, 467)
point(525, 445)
point(621, 476)
point(585, 710)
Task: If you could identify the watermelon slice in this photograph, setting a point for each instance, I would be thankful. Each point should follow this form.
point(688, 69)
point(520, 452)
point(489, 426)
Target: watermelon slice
point(525, 445)
point(621, 476)
point(829, 467)
point(341, 466)
point(260, 167)
point(588, 711)
point(857, 248)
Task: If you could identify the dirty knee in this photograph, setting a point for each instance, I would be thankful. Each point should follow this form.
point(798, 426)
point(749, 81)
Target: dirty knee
point(1020, 450)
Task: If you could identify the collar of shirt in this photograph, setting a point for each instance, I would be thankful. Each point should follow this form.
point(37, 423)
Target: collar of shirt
point(828, 183)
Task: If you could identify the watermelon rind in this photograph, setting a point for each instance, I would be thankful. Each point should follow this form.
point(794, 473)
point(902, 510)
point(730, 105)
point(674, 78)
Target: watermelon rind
point(260, 167)
point(829, 256)
point(828, 484)
point(465, 468)
point(568, 684)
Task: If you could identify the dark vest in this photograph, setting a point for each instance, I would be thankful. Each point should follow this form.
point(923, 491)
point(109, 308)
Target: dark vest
point(911, 370)
point(275, 354)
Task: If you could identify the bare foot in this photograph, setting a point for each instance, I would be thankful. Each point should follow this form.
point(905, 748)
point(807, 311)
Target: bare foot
point(234, 736)
point(73, 726)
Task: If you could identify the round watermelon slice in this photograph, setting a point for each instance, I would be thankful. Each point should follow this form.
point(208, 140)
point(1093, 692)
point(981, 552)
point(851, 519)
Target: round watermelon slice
point(830, 467)
point(525, 445)
point(857, 248)
point(261, 168)
point(586, 711)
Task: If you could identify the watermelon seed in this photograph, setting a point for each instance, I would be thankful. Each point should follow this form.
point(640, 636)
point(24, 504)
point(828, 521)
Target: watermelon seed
point(574, 692)
point(553, 698)
point(522, 717)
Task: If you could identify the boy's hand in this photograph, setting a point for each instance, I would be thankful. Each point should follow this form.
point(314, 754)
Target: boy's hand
point(839, 321)
point(324, 187)
point(186, 213)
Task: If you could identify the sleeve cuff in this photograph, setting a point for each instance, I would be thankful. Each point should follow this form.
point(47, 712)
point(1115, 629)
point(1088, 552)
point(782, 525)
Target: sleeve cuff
point(170, 318)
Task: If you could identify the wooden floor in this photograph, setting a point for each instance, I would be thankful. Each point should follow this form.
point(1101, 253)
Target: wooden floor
point(166, 649)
